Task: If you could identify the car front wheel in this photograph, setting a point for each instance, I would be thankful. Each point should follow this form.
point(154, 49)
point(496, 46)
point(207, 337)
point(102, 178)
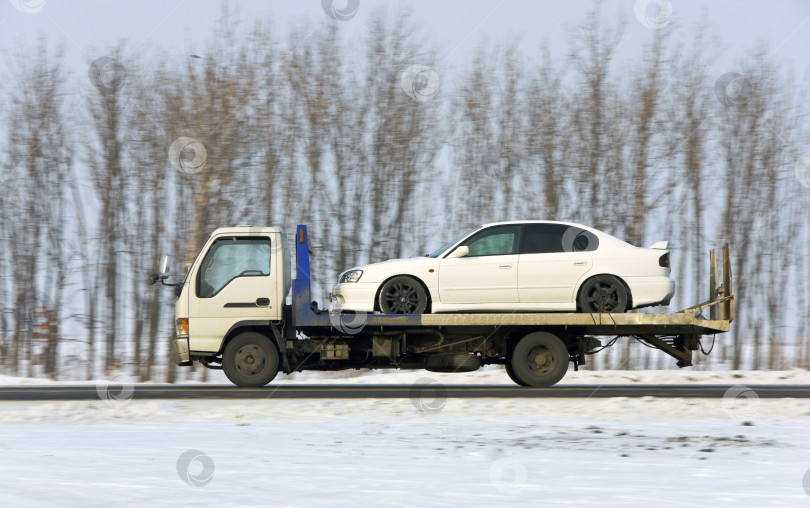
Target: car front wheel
point(403, 295)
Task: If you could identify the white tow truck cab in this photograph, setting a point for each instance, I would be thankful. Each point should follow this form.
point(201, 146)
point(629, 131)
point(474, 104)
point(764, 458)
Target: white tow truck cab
point(239, 281)
point(231, 314)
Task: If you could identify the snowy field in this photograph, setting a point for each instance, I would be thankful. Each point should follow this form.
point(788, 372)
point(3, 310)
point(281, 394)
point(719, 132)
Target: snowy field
point(421, 451)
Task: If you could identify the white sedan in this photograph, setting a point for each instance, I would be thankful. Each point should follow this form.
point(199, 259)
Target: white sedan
point(514, 266)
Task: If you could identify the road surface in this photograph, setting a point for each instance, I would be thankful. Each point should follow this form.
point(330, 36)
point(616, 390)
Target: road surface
point(336, 391)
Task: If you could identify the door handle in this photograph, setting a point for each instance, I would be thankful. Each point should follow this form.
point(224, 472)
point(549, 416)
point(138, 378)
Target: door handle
point(506, 266)
point(260, 302)
point(580, 263)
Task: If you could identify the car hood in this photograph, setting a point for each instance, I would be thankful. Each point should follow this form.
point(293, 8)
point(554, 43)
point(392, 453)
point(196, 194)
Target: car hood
point(377, 272)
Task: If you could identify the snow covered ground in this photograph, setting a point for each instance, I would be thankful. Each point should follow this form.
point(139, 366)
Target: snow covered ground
point(421, 451)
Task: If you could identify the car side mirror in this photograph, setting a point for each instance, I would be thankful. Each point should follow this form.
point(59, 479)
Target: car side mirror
point(460, 252)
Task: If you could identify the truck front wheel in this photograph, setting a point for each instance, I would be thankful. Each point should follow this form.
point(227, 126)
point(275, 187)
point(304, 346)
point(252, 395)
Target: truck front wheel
point(540, 359)
point(250, 360)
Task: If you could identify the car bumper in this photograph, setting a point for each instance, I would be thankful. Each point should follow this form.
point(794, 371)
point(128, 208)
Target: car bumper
point(178, 351)
point(651, 290)
point(353, 296)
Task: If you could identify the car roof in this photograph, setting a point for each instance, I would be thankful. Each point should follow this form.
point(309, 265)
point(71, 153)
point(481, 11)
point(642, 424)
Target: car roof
point(534, 222)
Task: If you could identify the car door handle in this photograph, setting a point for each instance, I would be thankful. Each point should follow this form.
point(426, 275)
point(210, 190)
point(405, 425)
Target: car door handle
point(580, 263)
point(262, 302)
point(506, 266)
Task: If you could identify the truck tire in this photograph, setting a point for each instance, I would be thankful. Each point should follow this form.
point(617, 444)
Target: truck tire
point(452, 362)
point(511, 374)
point(402, 295)
point(540, 359)
point(250, 360)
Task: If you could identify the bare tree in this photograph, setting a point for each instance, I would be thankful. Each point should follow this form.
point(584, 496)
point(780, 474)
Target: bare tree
point(37, 158)
point(406, 133)
point(592, 50)
point(106, 106)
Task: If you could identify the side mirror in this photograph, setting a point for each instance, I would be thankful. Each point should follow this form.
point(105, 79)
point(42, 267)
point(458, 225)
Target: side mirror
point(164, 264)
point(162, 276)
point(460, 252)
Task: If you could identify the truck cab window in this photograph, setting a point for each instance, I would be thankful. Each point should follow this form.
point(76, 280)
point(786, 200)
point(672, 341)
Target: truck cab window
point(230, 258)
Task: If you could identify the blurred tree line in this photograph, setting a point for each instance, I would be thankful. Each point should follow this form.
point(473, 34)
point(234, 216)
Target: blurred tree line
point(383, 159)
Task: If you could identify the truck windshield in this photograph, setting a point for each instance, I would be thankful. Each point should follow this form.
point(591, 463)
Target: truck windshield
point(444, 249)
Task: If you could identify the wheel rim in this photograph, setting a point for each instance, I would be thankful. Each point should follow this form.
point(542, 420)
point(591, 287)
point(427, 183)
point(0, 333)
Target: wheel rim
point(542, 360)
point(602, 296)
point(401, 299)
point(250, 360)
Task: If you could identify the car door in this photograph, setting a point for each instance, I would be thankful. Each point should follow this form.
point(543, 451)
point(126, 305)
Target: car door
point(553, 258)
point(488, 273)
point(234, 283)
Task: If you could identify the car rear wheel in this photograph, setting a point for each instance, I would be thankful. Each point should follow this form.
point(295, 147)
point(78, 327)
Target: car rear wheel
point(403, 295)
point(603, 293)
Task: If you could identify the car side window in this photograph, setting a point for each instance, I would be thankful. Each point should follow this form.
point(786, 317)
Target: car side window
point(549, 238)
point(230, 258)
point(494, 241)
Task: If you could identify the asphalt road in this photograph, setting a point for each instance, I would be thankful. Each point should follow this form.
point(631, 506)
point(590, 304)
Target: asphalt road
point(335, 391)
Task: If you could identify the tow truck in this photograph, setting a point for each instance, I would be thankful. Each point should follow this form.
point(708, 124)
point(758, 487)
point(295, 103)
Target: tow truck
point(233, 313)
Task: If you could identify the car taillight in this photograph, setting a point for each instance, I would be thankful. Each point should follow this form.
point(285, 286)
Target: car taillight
point(664, 260)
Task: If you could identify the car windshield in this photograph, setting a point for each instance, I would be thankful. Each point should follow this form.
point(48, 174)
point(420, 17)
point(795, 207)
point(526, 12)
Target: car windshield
point(444, 249)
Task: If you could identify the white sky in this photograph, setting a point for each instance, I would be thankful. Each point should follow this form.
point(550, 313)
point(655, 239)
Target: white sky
point(179, 27)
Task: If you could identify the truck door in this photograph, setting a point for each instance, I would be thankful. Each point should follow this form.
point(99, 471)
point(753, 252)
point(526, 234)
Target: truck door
point(234, 282)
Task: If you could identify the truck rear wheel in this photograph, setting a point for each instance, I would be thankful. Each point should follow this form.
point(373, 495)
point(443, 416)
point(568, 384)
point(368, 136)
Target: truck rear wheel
point(540, 359)
point(511, 374)
point(250, 360)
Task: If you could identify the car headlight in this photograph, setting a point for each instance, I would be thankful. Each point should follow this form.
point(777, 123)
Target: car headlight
point(350, 276)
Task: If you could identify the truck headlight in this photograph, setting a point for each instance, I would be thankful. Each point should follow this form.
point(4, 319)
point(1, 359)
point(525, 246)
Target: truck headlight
point(182, 327)
point(350, 276)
